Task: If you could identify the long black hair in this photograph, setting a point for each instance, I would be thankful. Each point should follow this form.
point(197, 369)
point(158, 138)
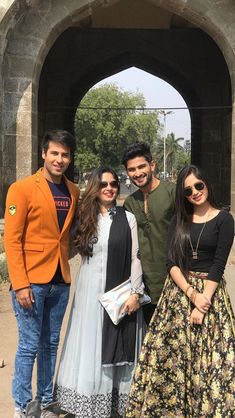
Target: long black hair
point(84, 233)
point(184, 211)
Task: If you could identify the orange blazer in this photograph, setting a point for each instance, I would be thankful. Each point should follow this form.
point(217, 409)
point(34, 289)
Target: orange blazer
point(33, 241)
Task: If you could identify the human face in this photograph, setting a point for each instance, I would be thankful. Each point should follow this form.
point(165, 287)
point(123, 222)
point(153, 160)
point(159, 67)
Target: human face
point(140, 171)
point(107, 194)
point(56, 161)
point(198, 197)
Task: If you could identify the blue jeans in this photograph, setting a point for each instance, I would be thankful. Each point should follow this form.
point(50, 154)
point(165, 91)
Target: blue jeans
point(39, 332)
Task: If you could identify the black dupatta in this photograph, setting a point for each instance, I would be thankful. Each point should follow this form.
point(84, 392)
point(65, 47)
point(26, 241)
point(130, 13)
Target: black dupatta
point(118, 341)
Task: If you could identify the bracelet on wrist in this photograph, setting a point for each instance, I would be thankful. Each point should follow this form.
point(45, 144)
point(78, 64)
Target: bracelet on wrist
point(137, 291)
point(187, 288)
point(193, 296)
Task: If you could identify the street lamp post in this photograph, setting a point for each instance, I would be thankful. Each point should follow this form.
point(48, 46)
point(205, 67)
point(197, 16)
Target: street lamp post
point(164, 113)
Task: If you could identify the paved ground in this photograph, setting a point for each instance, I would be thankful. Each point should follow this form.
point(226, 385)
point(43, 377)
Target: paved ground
point(8, 338)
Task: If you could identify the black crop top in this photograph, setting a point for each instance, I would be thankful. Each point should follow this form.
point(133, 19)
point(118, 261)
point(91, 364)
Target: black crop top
point(214, 245)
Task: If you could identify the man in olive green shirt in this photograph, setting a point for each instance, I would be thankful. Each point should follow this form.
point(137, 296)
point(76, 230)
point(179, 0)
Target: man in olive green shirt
point(153, 206)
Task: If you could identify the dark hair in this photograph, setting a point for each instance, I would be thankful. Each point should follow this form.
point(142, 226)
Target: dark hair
point(62, 137)
point(137, 149)
point(184, 211)
point(85, 232)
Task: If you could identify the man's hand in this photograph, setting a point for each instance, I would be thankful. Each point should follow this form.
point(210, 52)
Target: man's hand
point(25, 297)
point(196, 317)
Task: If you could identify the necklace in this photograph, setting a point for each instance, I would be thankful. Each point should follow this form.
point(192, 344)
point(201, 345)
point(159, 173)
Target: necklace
point(194, 251)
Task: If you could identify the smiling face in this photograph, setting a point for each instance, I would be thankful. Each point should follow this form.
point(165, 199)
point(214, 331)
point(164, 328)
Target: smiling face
point(198, 189)
point(108, 190)
point(56, 161)
point(140, 171)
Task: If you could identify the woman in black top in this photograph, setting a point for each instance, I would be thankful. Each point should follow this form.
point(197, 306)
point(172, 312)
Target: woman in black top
point(187, 364)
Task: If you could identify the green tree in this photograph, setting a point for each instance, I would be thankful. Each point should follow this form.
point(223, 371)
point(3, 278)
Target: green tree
point(173, 150)
point(183, 158)
point(86, 161)
point(107, 120)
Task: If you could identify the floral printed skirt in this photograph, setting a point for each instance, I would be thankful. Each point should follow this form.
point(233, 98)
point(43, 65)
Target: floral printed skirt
point(186, 371)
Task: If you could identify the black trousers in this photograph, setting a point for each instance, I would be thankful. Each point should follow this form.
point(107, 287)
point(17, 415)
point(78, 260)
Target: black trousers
point(148, 311)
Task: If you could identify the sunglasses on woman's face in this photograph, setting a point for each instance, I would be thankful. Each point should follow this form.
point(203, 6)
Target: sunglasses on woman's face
point(188, 191)
point(114, 184)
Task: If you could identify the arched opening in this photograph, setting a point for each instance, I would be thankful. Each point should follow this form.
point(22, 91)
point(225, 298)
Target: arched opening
point(131, 106)
point(94, 54)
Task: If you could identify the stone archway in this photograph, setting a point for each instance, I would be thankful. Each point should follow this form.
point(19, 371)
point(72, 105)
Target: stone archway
point(167, 54)
point(30, 29)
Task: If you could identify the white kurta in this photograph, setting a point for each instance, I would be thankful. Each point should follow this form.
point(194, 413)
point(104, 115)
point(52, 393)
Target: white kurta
point(84, 386)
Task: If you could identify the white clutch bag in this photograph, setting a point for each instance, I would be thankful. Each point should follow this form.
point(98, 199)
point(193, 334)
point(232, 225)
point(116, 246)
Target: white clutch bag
point(114, 299)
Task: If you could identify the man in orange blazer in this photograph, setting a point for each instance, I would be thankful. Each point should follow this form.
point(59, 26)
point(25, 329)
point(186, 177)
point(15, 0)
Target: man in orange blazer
point(38, 217)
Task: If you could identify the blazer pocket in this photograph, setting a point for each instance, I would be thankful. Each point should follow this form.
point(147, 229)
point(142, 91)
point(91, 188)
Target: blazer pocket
point(33, 247)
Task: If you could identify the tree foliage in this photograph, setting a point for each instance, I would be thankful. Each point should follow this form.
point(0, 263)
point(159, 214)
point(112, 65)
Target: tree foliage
point(175, 153)
point(107, 120)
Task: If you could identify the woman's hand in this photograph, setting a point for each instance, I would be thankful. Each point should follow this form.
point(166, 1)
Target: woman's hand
point(196, 317)
point(132, 304)
point(202, 303)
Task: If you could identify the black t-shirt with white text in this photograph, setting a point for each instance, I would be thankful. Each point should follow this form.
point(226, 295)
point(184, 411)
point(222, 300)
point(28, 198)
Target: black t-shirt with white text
point(62, 201)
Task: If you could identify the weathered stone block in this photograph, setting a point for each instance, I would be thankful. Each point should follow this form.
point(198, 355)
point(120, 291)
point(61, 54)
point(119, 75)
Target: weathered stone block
point(24, 47)
point(11, 85)
point(12, 101)
point(21, 67)
point(9, 123)
point(9, 151)
point(24, 124)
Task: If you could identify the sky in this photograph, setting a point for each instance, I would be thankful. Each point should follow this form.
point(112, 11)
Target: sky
point(158, 94)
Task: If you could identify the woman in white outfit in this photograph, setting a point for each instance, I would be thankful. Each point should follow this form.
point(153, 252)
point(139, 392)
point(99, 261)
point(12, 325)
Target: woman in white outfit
point(98, 357)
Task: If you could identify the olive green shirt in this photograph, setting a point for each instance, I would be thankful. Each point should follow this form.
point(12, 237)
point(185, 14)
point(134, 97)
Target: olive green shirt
point(152, 233)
